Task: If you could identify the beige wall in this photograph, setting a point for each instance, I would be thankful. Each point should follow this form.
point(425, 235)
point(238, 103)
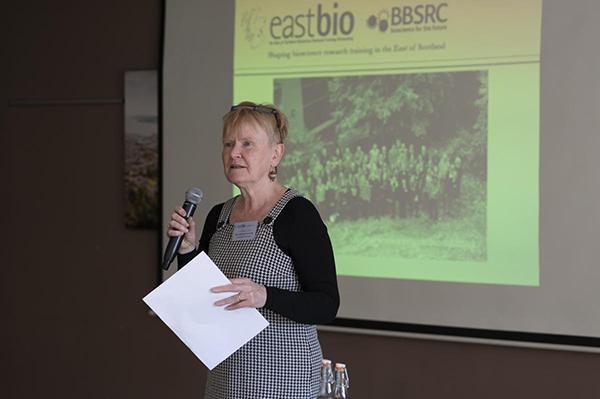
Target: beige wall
point(73, 324)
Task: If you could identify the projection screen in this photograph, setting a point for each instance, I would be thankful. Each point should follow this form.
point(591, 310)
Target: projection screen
point(449, 147)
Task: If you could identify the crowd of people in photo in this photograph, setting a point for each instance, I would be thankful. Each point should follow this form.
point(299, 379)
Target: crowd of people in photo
point(401, 181)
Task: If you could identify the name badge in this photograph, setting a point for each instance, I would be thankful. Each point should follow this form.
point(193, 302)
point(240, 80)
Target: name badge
point(244, 231)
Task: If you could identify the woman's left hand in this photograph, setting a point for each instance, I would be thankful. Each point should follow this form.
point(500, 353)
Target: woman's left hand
point(249, 294)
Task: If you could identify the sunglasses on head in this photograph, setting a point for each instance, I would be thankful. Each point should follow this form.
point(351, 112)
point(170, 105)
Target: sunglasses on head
point(262, 109)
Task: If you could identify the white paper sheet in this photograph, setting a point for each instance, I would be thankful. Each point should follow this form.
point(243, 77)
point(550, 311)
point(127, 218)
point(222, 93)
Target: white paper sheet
point(186, 305)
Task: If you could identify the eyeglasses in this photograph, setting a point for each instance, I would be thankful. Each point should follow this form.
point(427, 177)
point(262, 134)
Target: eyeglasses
point(262, 109)
point(258, 108)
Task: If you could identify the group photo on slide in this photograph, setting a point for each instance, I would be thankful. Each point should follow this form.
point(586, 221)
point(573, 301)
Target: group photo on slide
point(397, 164)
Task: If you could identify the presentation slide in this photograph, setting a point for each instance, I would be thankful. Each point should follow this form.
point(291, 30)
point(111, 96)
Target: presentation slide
point(450, 148)
point(414, 129)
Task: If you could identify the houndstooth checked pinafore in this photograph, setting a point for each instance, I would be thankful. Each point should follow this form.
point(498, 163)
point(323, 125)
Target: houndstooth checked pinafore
point(283, 361)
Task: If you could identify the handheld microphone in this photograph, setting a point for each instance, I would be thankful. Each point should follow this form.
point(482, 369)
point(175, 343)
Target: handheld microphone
point(193, 196)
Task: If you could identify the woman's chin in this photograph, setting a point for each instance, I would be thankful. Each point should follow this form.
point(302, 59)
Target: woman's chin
point(236, 179)
point(232, 180)
point(243, 181)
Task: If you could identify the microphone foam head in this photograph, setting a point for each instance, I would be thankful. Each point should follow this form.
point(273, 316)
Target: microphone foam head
point(193, 195)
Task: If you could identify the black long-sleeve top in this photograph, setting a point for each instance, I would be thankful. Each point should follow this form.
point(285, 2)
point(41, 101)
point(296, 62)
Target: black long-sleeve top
point(301, 234)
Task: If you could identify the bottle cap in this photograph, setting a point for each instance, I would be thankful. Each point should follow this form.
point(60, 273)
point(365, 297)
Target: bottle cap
point(340, 366)
point(326, 362)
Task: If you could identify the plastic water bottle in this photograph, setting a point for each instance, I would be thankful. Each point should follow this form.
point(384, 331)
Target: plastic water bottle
point(342, 382)
point(326, 385)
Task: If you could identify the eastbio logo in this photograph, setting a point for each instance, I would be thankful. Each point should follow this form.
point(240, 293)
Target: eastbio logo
point(326, 22)
point(421, 14)
point(253, 27)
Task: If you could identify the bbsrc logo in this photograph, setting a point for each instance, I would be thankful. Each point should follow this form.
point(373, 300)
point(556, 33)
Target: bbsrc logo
point(407, 15)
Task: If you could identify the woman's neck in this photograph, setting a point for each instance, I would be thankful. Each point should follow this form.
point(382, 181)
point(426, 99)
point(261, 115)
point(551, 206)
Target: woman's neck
point(256, 202)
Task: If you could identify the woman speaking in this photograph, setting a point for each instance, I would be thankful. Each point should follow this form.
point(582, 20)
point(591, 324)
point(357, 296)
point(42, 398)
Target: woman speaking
point(273, 246)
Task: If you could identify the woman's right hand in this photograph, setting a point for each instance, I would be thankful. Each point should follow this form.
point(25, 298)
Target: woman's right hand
point(178, 226)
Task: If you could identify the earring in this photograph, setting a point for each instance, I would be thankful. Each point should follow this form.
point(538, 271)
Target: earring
point(273, 174)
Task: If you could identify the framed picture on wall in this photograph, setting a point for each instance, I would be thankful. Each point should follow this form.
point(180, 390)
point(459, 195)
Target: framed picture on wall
point(141, 149)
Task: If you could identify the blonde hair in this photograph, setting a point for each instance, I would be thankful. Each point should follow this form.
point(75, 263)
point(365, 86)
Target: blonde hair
point(274, 124)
